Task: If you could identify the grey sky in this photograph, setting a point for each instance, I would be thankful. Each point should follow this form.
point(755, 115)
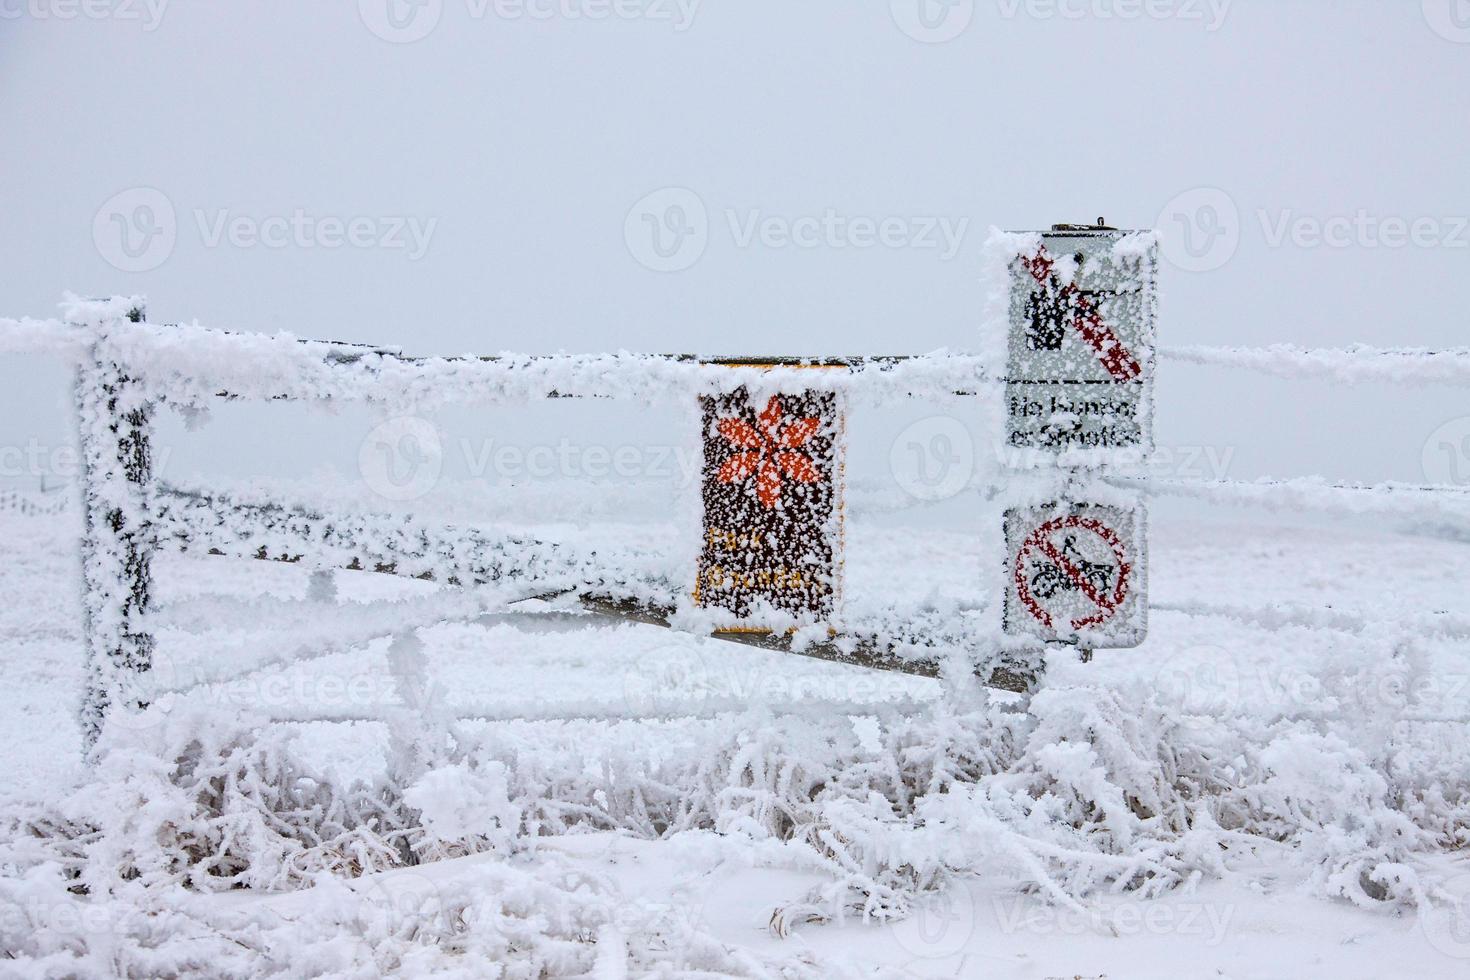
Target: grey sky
point(510, 144)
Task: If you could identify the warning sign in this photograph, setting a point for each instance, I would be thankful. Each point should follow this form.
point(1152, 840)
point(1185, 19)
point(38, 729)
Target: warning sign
point(1081, 342)
point(1076, 573)
point(772, 507)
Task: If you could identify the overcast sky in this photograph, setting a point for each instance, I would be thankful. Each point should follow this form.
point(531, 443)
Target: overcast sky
point(752, 177)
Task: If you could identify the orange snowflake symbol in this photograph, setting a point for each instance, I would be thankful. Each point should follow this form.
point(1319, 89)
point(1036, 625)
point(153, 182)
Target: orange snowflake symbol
point(769, 451)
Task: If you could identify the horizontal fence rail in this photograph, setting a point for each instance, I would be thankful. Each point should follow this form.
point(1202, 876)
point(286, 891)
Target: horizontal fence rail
point(1349, 365)
point(196, 520)
point(218, 524)
point(33, 504)
point(126, 369)
point(1316, 495)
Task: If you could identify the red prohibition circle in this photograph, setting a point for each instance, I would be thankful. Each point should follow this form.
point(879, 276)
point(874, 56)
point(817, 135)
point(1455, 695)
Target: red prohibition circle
point(1107, 604)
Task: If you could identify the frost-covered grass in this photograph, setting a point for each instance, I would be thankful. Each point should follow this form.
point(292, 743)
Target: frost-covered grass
point(1255, 765)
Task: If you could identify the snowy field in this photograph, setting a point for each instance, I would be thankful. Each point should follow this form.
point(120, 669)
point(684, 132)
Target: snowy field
point(1338, 740)
point(396, 397)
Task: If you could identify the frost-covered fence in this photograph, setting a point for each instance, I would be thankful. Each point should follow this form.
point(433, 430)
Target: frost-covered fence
point(1113, 785)
point(34, 505)
point(220, 523)
point(127, 368)
point(115, 415)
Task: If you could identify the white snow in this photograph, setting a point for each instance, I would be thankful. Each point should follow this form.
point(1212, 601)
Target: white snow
point(1295, 714)
point(343, 773)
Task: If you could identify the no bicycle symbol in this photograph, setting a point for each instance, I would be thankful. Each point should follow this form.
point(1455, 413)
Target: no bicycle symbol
point(1075, 574)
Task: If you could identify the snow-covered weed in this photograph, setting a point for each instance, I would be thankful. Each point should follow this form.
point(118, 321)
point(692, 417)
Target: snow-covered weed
point(1078, 791)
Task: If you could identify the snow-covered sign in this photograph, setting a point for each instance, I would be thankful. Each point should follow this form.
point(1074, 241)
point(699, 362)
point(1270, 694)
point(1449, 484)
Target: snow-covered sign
point(772, 492)
point(1076, 573)
point(1080, 343)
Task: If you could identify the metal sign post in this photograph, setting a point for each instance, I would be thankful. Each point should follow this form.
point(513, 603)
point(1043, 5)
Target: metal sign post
point(1079, 387)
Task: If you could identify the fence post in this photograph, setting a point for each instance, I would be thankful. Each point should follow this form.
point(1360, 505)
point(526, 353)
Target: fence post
point(115, 421)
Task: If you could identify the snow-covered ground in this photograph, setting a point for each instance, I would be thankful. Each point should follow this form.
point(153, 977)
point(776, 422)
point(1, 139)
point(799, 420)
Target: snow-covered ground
point(1361, 677)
